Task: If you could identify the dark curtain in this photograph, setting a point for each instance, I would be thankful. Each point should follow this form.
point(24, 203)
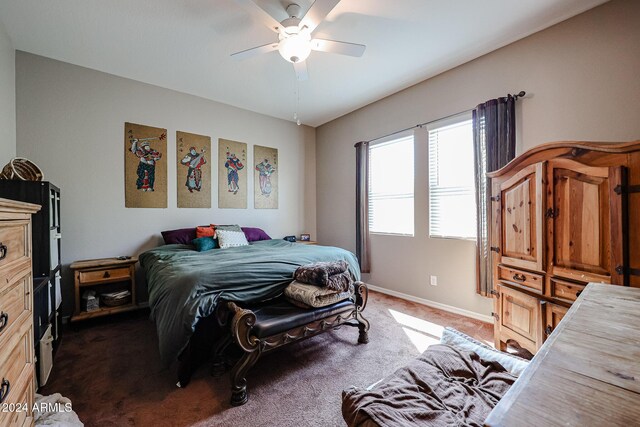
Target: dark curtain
point(362, 206)
point(494, 138)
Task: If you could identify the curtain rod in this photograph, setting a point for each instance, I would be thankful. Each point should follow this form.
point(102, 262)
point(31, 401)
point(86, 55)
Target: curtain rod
point(515, 97)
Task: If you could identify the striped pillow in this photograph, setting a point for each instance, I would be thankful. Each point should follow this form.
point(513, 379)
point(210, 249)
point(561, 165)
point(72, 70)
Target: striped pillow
point(229, 239)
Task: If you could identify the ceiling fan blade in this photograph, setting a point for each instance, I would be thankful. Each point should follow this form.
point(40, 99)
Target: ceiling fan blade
point(255, 51)
point(343, 48)
point(316, 14)
point(301, 70)
point(260, 14)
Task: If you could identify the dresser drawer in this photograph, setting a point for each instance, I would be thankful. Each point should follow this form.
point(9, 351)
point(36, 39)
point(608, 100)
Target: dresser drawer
point(16, 410)
point(16, 352)
point(15, 298)
point(104, 275)
point(14, 241)
point(565, 290)
point(16, 356)
point(534, 282)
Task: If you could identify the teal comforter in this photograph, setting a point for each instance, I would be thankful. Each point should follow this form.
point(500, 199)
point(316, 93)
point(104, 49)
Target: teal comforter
point(185, 285)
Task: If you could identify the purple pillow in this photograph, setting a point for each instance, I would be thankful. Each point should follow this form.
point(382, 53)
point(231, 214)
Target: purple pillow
point(183, 236)
point(255, 234)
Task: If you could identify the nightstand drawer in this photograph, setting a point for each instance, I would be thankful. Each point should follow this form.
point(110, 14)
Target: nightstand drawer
point(104, 275)
point(14, 243)
point(15, 298)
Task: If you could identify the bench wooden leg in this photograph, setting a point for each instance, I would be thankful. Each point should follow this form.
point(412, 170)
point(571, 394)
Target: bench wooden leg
point(363, 328)
point(239, 395)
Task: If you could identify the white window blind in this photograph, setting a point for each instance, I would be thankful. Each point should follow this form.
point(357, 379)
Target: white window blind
point(452, 203)
point(391, 176)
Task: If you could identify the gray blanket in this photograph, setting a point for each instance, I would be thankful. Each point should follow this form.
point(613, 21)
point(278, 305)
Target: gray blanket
point(185, 285)
point(444, 387)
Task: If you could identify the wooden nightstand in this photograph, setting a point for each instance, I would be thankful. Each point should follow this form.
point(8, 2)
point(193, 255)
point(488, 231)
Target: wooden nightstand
point(307, 242)
point(104, 276)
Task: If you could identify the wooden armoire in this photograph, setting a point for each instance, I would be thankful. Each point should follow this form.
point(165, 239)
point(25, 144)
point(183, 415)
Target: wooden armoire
point(563, 214)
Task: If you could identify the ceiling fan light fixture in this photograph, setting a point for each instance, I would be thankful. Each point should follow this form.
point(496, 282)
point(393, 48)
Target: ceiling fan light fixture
point(295, 48)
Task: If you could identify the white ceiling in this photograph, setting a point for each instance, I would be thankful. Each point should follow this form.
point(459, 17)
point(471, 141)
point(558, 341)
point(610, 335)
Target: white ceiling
point(185, 45)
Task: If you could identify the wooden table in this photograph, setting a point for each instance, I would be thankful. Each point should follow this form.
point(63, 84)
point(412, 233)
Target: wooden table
point(104, 275)
point(587, 373)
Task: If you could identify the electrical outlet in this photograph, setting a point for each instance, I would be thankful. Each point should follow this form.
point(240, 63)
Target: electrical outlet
point(434, 280)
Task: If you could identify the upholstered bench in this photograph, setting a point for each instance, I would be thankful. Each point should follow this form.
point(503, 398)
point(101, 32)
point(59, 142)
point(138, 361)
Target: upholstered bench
point(257, 329)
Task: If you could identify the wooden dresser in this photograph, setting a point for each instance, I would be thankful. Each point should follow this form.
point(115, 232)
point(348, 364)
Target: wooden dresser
point(17, 387)
point(563, 214)
point(587, 373)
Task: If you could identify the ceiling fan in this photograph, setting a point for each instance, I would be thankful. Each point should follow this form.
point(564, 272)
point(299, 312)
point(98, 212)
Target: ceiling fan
point(295, 35)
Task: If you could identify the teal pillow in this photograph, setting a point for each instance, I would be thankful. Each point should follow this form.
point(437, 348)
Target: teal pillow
point(203, 244)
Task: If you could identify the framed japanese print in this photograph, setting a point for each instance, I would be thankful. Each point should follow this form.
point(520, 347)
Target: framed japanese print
point(232, 174)
point(145, 166)
point(193, 170)
point(265, 171)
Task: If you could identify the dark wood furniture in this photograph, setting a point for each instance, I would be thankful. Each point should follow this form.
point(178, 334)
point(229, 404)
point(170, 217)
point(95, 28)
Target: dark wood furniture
point(563, 214)
point(17, 385)
point(264, 327)
point(45, 238)
point(104, 275)
point(587, 373)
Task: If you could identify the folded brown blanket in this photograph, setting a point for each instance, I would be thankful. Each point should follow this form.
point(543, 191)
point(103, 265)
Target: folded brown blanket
point(333, 275)
point(443, 387)
point(312, 296)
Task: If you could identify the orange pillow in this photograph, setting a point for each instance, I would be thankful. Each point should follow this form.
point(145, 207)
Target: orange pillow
point(205, 231)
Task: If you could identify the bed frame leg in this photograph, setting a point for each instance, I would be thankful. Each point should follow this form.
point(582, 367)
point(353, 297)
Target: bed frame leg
point(239, 394)
point(219, 365)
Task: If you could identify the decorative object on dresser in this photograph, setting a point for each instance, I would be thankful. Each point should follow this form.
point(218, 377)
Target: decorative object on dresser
point(46, 239)
point(561, 219)
point(17, 385)
point(111, 280)
point(586, 373)
point(21, 169)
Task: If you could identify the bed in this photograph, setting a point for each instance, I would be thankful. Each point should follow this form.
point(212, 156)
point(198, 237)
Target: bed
point(185, 286)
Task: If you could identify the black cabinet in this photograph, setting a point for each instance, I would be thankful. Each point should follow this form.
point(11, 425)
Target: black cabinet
point(45, 240)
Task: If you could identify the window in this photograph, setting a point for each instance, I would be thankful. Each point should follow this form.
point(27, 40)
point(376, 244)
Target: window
point(452, 203)
point(391, 186)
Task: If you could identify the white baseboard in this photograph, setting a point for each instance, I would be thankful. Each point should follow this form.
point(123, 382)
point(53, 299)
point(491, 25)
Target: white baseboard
point(433, 304)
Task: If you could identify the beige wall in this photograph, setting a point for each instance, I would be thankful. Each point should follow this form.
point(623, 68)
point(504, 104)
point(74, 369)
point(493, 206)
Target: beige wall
point(70, 121)
point(582, 82)
point(7, 99)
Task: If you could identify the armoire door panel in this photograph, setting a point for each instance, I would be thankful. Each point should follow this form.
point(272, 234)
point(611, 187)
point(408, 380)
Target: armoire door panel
point(581, 215)
point(521, 219)
point(554, 314)
point(520, 313)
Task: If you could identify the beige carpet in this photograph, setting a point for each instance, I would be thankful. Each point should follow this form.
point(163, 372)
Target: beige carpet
point(111, 371)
